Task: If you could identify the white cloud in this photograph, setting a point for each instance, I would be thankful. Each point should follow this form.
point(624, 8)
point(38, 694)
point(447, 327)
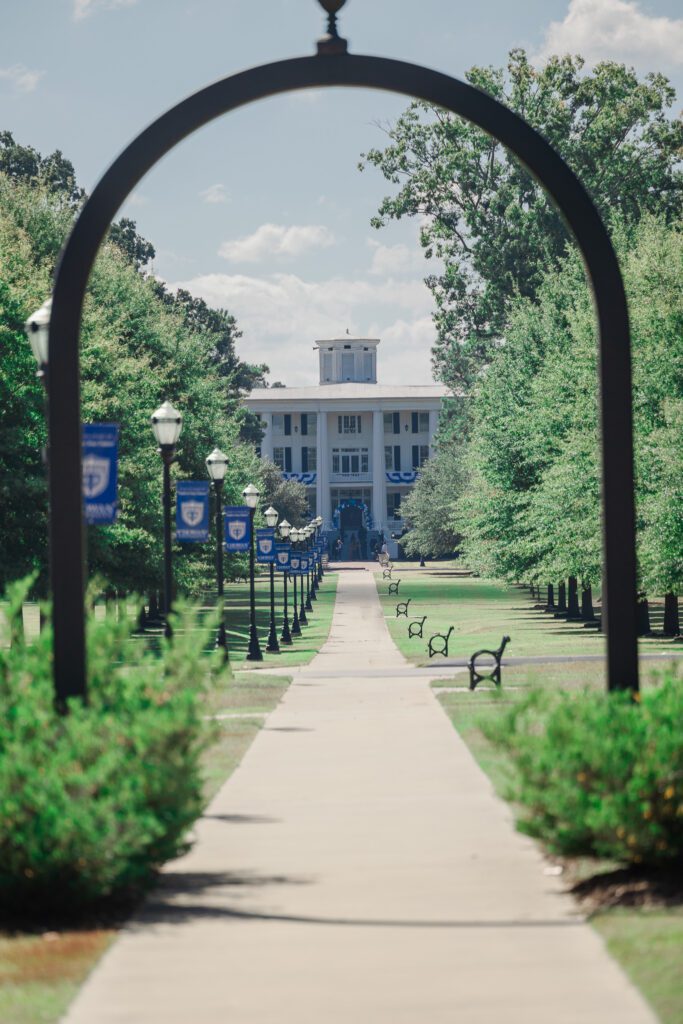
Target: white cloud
point(214, 194)
point(83, 8)
point(21, 78)
point(276, 240)
point(282, 315)
point(614, 30)
point(392, 260)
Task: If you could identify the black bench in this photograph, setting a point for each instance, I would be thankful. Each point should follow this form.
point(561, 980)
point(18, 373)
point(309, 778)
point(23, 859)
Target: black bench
point(476, 676)
point(444, 638)
point(393, 587)
point(416, 626)
point(386, 573)
point(402, 607)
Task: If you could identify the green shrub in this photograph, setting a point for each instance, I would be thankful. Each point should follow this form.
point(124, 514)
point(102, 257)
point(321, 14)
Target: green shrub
point(598, 774)
point(93, 801)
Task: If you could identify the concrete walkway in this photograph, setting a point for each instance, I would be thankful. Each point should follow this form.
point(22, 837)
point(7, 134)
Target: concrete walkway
point(357, 867)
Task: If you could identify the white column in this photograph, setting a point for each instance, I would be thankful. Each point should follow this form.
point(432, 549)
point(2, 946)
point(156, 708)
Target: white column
point(267, 442)
point(322, 480)
point(379, 480)
point(433, 424)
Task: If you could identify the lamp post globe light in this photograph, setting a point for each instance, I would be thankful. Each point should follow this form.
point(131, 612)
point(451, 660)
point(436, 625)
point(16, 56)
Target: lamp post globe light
point(284, 530)
point(273, 647)
point(296, 624)
point(37, 328)
point(217, 467)
point(167, 424)
point(251, 496)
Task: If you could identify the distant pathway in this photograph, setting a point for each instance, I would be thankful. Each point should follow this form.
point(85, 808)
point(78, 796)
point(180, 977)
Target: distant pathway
point(358, 869)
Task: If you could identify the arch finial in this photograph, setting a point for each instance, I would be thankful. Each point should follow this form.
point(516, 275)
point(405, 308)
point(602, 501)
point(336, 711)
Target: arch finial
point(331, 43)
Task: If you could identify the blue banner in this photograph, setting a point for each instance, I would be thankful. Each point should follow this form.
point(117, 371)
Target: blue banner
point(304, 564)
point(100, 472)
point(265, 545)
point(282, 552)
point(192, 511)
point(294, 564)
point(236, 528)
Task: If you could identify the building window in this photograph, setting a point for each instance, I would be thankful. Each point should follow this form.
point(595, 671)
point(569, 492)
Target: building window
point(420, 422)
point(350, 460)
point(347, 365)
point(392, 457)
point(308, 459)
point(282, 423)
point(420, 455)
point(327, 366)
point(282, 457)
point(349, 424)
point(393, 504)
point(392, 423)
point(308, 423)
point(367, 366)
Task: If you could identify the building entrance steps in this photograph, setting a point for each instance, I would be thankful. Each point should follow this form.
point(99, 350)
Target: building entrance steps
point(357, 867)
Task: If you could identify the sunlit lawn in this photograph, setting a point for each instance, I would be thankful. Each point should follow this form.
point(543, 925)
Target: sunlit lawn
point(482, 612)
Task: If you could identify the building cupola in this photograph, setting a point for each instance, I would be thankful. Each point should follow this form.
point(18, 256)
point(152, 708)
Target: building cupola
point(348, 360)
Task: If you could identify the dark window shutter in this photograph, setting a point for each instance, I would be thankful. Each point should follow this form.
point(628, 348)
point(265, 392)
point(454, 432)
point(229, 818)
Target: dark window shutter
point(413, 417)
point(359, 425)
point(288, 423)
point(304, 423)
point(416, 456)
point(397, 456)
point(288, 460)
point(339, 422)
point(304, 458)
point(397, 423)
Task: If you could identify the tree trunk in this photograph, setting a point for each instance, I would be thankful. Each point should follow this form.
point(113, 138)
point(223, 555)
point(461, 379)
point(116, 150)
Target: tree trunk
point(573, 610)
point(561, 599)
point(587, 611)
point(153, 614)
point(550, 603)
point(643, 616)
point(672, 622)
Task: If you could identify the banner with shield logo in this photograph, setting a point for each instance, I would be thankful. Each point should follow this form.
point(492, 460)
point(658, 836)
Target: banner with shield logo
point(192, 511)
point(236, 528)
point(282, 551)
point(100, 472)
point(265, 545)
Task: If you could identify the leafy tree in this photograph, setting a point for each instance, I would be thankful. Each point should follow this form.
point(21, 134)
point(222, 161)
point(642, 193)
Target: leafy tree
point(429, 508)
point(55, 172)
point(487, 219)
point(289, 497)
point(138, 250)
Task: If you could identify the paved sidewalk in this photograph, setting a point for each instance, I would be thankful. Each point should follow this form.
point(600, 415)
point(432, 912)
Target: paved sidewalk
point(357, 867)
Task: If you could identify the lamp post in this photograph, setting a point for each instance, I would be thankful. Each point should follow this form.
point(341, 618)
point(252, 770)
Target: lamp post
point(272, 646)
point(308, 530)
point(286, 636)
point(166, 425)
point(319, 525)
point(296, 624)
point(301, 540)
point(217, 465)
point(251, 497)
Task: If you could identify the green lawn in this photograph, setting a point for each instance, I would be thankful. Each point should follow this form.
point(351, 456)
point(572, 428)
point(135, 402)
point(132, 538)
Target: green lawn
point(41, 970)
point(304, 647)
point(647, 942)
point(482, 612)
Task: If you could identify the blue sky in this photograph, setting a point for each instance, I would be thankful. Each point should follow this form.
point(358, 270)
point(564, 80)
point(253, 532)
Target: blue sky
point(264, 211)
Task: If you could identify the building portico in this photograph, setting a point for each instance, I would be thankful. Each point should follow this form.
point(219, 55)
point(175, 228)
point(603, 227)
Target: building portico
point(351, 441)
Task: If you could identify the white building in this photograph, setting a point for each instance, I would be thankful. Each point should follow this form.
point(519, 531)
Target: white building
point(357, 445)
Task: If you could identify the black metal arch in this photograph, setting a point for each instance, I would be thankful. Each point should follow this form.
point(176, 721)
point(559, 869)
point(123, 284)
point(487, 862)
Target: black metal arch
point(66, 521)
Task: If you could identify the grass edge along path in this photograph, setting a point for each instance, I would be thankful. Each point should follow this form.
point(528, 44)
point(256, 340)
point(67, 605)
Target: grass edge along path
point(41, 970)
point(647, 942)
